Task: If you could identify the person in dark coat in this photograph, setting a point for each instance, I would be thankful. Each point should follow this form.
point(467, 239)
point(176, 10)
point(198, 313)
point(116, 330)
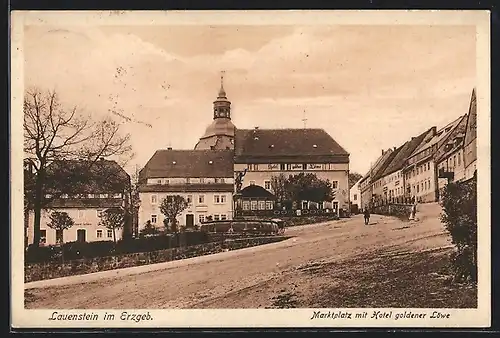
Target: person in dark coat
point(367, 216)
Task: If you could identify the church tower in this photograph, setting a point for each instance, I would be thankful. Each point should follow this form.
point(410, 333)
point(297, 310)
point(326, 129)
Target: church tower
point(219, 134)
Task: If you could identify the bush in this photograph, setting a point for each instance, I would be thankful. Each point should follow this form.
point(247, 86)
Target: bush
point(459, 202)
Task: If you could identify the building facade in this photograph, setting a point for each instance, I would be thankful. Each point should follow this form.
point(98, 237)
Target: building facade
point(204, 178)
point(107, 187)
point(367, 185)
point(421, 172)
point(470, 146)
point(264, 153)
point(355, 197)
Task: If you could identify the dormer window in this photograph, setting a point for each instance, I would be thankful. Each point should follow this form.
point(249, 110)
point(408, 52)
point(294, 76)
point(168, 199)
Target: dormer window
point(173, 162)
point(315, 146)
point(210, 162)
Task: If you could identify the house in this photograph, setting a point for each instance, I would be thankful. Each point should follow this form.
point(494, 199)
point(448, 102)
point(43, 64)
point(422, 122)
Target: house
point(203, 177)
point(355, 197)
point(264, 153)
point(450, 157)
point(470, 147)
point(367, 185)
point(391, 178)
point(420, 172)
point(83, 190)
point(255, 200)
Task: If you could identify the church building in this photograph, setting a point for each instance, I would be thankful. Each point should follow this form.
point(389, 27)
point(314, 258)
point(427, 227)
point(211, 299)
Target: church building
point(263, 153)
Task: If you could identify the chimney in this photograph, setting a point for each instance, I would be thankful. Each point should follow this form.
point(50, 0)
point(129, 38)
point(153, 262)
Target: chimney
point(169, 148)
point(434, 131)
point(383, 152)
point(394, 149)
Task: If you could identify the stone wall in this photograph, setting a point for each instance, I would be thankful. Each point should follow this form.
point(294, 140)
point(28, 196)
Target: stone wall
point(42, 271)
point(398, 210)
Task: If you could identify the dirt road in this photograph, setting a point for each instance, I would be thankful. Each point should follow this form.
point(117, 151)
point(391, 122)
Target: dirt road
point(258, 277)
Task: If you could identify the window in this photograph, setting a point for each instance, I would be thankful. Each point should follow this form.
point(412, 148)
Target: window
point(201, 218)
point(223, 217)
point(422, 186)
point(429, 166)
point(159, 181)
point(253, 205)
point(217, 199)
point(262, 205)
point(43, 236)
point(304, 166)
point(252, 182)
point(188, 180)
point(335, 184)
point(246, 205)
point(282, 166)
point(418, 186)
point(267, 185)
point(190, 199)
point(288, 167)
point(429, 183)
point(99, 234)
point(454, 161)
point(154, 199)
point(167, 182)
point(110, 233)
point(355, 197)
point(154, 219)
point(269, 205)
point(202, 180)
point(223, 199)
point(216, 217)
point(201, 199)
point(458, 158)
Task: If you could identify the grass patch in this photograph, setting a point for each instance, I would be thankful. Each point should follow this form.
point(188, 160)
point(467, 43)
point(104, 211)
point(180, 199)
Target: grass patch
point(415, 280)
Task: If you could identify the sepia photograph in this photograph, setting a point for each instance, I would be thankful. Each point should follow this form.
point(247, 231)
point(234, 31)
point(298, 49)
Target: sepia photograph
point(236, 169)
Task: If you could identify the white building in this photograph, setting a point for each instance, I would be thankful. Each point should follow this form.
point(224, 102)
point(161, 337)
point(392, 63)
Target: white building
point(265, 153)
point(355, 196)
point(203, 177)
point(107, 188)
point(421, 173)
point(470, 146)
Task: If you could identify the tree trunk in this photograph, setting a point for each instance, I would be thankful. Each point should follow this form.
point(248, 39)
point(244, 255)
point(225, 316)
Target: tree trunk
point(114, 236)
point(38, 207)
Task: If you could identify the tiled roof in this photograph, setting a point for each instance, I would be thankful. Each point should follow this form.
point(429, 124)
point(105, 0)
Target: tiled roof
point(215, 187)
point(189, 163)
point(385, 163)
point(79, 176)
point(471, 132)
point(398, 161)
point(297, 144)
point(375, 167)
point(457, 132)
point(440, 136)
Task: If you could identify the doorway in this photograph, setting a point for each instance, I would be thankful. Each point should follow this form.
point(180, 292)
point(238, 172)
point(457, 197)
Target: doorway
point(189, 220)
point(81, 235)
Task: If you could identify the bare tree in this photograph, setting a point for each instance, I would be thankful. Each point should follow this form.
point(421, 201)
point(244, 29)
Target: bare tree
point(52, 132)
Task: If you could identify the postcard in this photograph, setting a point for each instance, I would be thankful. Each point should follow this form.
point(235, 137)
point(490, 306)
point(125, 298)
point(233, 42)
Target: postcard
point(236, 169)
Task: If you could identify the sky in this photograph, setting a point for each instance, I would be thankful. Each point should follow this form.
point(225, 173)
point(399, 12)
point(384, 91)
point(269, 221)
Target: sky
point(369, 87)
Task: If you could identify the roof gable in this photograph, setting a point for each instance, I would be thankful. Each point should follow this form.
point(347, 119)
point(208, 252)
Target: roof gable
point(189, 163)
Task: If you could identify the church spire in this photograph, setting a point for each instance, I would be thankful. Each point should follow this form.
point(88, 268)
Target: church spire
point(222, 92)
point(222, 106)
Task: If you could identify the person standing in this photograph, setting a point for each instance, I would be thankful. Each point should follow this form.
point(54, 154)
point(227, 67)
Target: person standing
point(367, 216)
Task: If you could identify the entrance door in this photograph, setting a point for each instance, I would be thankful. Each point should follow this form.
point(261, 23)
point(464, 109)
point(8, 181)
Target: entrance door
point(304, 205)
point(81, 235)
point(189, 220)
point(336, 207)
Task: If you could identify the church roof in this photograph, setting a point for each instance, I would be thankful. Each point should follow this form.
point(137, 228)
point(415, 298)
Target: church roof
point(189, 163)
point(219, 127)
point(287, 144)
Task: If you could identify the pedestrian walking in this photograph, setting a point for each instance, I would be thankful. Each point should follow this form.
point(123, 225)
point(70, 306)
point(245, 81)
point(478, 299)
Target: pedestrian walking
point(367, 216)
